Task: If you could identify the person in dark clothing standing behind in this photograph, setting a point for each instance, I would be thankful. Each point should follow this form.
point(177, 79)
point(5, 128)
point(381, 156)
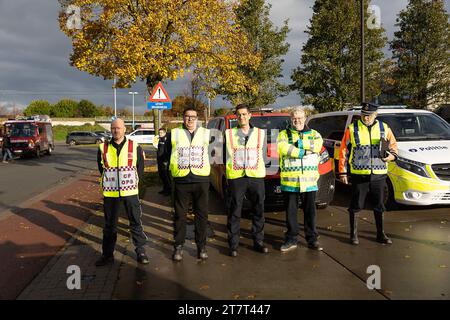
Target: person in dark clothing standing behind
point(121, 163)
point(163, 159)
point(190, 169)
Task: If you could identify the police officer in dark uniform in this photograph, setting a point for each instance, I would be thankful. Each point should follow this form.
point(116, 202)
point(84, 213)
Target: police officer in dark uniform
point(163, 162)
point(368, 144)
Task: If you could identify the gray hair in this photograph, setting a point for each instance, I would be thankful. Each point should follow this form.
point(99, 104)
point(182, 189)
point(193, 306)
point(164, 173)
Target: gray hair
point(297, 109)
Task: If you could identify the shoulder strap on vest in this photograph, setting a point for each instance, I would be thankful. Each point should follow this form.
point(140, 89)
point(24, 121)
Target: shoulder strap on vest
point(105, 159)
point(355, 132)
point(130, 153)
point(382, 133)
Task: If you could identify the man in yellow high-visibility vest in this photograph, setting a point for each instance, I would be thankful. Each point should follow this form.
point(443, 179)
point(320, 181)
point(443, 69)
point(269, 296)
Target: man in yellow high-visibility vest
point(245, 171)
point(362, 152)
point(299, 148)
point(121, 163)
point(190, 169)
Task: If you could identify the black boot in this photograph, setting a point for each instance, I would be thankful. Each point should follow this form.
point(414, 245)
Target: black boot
point(381, 236)
point(353, 228)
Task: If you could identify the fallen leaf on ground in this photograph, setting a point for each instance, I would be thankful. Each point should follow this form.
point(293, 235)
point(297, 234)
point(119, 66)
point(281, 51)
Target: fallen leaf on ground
point(407, 257)
point(442, 266)
point(251, 296)
point(204, 287)
point(236, 296)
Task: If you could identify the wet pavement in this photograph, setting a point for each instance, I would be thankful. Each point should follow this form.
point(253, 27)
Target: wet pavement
point(416, 266)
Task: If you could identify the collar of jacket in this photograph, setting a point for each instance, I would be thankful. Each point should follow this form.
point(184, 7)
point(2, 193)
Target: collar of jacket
point(305, 129)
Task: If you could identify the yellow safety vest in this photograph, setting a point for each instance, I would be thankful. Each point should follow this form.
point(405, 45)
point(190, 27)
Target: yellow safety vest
point(365, 156)
point(189, 156)
point(299, 172)
point(120, 177)
point(245, 159)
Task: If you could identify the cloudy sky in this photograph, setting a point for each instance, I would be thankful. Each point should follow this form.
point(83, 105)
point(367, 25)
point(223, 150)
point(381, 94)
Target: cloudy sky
point(34, 54)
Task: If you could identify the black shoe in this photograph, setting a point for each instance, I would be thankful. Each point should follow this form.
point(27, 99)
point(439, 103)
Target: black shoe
point(103, 261)
point(202, 254)
point(142, 258)
point(233, 253)
point(260, 247)
point(178, 253)
point(288, 245)
point(315, 246)
point(383, 238)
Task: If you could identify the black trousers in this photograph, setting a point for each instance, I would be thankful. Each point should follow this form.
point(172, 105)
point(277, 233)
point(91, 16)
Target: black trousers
point(237, 189)
point(133, 209)
point(308, 204)
point(199, 191)
point(163, 171)
point(361, 186)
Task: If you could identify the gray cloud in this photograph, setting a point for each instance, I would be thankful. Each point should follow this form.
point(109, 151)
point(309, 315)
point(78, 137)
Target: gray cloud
point(34, 54)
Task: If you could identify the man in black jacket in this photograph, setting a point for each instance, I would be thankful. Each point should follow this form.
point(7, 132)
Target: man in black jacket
point(163, 159)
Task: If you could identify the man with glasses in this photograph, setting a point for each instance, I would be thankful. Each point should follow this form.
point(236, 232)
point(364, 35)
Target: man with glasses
point(245, 171)
point(299, 148)
point(190, 169)
point(366, 148)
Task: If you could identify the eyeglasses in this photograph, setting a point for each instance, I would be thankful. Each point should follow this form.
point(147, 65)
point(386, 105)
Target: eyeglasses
point(190, 117)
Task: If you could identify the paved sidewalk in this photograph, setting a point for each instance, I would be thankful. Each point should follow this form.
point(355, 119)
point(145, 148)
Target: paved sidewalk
point(32, 233)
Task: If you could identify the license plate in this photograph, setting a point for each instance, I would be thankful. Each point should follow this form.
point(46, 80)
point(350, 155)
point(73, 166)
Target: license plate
point(277, 189)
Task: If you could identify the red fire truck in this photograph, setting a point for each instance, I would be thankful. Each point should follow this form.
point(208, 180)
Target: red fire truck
point(31, 135)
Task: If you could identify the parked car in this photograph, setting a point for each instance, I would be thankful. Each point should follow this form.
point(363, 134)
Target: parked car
point(106, 134)
point(272, 123)
point(421, 174)
point(31, 135)
point(142, 136)
point(83, 137)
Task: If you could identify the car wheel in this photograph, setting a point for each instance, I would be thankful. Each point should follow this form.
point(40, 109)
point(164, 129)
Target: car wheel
point(72, 143)
point(50, 150)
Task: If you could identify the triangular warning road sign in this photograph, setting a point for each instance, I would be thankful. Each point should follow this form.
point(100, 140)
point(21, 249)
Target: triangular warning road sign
point(159, 94)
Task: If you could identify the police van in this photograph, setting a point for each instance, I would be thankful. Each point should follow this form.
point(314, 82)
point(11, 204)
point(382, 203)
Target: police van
point(421, 174)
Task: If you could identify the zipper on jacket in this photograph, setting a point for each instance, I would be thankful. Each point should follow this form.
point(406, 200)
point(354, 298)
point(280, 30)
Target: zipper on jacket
point(301, 159)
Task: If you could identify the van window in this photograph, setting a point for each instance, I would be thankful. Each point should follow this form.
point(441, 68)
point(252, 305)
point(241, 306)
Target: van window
point(211, 123)
point(417, 126)
point(332, 127)
point(22, 130)
point(148, 132)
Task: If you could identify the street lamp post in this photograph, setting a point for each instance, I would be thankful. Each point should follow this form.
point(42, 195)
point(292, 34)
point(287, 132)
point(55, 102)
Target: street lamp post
point(363, 95)
point(133, 93)
point(115, 97)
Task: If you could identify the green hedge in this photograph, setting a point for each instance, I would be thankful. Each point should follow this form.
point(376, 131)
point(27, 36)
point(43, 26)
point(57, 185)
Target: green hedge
point(60, 132)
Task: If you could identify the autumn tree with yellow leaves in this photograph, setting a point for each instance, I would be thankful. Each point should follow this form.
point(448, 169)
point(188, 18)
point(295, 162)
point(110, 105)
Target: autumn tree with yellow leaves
point(157, 40)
